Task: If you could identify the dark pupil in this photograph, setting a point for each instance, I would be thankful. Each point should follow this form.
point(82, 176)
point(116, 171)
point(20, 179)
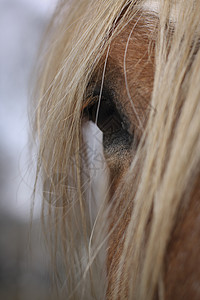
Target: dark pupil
point(108, 120)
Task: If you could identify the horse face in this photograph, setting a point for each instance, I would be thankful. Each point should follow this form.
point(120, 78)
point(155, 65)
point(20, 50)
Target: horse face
point(124, 102)
point(122, 116)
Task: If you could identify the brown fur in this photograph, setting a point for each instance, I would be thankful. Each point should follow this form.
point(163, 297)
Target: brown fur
point(140, 74)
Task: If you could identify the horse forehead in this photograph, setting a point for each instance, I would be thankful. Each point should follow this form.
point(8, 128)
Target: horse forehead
point(130, 66)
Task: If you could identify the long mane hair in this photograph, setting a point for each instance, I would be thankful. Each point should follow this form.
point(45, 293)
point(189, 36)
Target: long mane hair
point(164, 170)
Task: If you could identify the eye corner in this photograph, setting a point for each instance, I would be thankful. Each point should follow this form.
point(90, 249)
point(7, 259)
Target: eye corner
point(87, 107)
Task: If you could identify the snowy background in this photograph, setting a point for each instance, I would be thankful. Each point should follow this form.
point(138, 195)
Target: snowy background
point(22, 24)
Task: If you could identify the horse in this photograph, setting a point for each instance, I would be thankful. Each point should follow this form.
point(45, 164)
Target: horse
point(132, 69)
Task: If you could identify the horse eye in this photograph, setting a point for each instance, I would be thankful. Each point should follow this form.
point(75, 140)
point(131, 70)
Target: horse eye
point(112, 122)
point(106, 116)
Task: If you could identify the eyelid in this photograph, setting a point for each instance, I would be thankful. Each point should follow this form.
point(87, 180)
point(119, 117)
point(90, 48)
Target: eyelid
point(88, 102)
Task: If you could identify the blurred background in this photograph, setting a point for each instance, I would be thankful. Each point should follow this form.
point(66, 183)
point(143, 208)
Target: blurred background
point(24, 272)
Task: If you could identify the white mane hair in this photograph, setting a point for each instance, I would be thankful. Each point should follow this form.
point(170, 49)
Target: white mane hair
point(78, 231)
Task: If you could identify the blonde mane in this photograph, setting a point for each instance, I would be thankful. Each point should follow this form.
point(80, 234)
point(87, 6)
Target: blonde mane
point(164, 169)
